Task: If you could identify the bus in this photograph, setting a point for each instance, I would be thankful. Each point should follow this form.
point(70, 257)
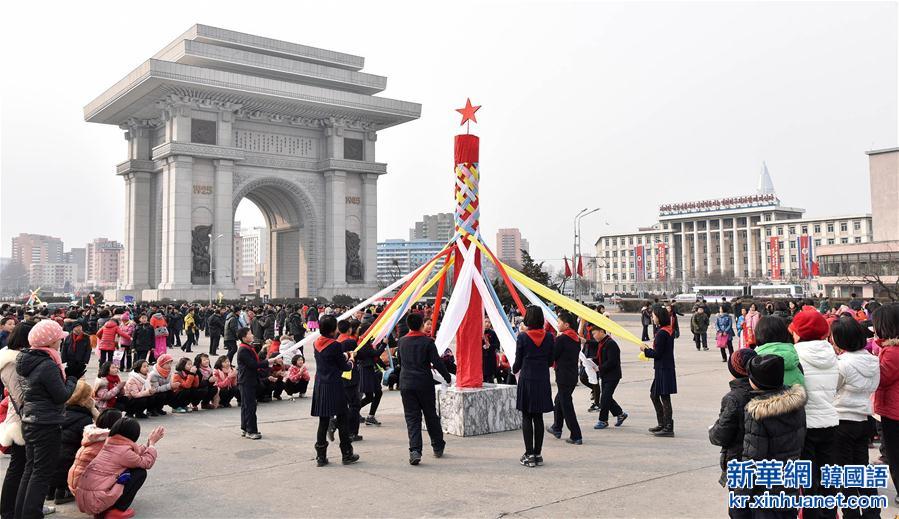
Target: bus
point(776, 291)
point(714, 294)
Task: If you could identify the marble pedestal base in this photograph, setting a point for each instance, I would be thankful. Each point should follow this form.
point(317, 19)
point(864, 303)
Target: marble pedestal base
point(470, 412)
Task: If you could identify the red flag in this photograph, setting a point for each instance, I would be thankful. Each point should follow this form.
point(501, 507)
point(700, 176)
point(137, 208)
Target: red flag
point(816, 271)
point(567, 269)
point(580, 266)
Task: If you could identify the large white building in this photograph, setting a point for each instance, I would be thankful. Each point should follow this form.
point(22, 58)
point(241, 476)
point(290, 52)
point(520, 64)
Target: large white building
point(735, 240)
point(251, 260)
point(399, 257)
point(52, 276)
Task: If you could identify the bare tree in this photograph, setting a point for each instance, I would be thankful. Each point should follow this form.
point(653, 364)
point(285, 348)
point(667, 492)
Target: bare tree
point(882, 287)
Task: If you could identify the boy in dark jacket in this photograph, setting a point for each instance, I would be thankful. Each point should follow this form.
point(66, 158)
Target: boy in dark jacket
point(248, 366)
point(727, 432)
point(608, 358)
point(566, 353)
point(774, 421)
point(418, 354)
point(143, 340)
point(76, 349)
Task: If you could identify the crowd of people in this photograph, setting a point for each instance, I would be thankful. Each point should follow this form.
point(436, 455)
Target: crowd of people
point(808, 383)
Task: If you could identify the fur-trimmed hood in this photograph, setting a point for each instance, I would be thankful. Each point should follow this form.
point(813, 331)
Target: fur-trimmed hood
point(8, 356)
point(93, 434)
point(777, 403)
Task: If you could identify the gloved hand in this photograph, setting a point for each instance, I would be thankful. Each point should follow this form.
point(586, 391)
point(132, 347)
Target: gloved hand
point(76, 370)
point(124, 478)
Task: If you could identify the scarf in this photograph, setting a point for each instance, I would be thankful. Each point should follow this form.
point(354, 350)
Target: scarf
point(164, 373)
point(54, 354)
point(537, 336)
point(140, 378)
point(344, 337)
point(669, 329)
point(415, 333)
point(571, 334)
point(206, 372)
point(75, 340)
point(252, 350)
point(323, 342)
point(112, 381)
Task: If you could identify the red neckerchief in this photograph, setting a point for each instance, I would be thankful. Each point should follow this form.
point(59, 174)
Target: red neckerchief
point(669, 329)
point(323, 342)
point(599, 350)
point(252, 349)
point(571, 334)
point(343, 337)
point(415, 333)
point(75, 340)
point(537, 336)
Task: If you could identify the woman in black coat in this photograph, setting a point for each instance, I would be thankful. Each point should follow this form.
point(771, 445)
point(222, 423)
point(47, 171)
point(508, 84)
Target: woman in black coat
point(46, 387)
point(533, 357)
point(328, 397)
point(664, 384)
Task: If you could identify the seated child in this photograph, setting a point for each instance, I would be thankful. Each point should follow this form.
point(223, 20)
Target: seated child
point(111, 482)
point(92, 440)
point(297, 380)
point(226, 382)
point(187, 393)
point(161, 385)
point(137, 394)
point(276, 376)
point(80, 413)
point(108, 386)
point(205, 374)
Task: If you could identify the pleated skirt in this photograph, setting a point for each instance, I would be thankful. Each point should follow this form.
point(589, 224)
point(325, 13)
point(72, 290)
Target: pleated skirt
point(328, 399)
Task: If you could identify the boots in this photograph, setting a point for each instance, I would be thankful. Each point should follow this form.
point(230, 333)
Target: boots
point(348, 456)
point(656, 429)
point(321, 454)
point(63, 496)
point(667, 431)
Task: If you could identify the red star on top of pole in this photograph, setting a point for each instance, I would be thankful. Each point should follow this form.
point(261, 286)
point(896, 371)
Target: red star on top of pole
point(468, 112)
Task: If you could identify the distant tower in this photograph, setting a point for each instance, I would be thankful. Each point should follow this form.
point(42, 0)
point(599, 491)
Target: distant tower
point(766, 186)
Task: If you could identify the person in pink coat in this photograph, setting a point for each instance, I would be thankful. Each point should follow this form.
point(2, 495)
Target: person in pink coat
point(111, 481)
point(107, 336)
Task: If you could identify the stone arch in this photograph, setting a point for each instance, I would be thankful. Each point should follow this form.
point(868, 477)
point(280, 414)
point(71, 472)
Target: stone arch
point(292, 220)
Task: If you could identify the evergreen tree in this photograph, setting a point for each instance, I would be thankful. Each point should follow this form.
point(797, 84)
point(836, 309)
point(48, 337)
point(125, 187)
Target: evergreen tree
point(533, 270)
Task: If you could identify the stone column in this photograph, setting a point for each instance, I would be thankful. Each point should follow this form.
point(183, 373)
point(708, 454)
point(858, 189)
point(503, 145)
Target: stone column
point(763, 240)
point(137, 231)
point(697, 259)
point(370, 228)
point(369, 152)
point(708, 248)
point(176, 224)
point(684, 254)
point(750, 236)
point(335, 228)
point(738, 253)
point(333, 139)
point(223, 261)
point(721, 253)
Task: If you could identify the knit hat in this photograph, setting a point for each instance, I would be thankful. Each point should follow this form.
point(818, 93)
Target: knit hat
point(163, 359)
point(738, 362)
point(45, 333)
point(766, 371)
point(809, 325)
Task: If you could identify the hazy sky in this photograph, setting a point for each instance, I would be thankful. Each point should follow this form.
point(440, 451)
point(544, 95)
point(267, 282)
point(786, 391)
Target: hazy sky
point(621, 106)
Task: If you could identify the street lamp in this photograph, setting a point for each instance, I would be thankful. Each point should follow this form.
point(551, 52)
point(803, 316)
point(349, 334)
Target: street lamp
point(211, 257)
point(577, 243)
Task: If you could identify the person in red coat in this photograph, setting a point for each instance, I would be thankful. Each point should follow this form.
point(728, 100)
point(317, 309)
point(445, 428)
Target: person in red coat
point(886, 398)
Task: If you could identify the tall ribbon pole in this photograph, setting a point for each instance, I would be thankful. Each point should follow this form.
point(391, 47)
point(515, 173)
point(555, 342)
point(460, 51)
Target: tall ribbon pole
point(469, 336)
